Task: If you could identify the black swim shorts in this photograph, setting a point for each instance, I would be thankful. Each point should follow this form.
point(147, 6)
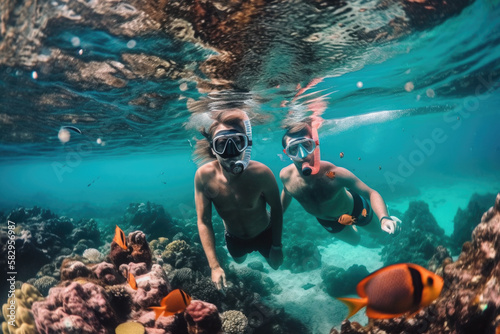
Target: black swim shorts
point(360, 203)
point(262, 243)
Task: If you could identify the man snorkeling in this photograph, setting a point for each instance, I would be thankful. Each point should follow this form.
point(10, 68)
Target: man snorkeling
point(334, 195)
point(240, 190)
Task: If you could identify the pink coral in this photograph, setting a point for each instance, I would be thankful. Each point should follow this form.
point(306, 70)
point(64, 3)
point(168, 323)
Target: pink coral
point(152, 286)
point(75, 309)
point(202, 318)
point(107, 273)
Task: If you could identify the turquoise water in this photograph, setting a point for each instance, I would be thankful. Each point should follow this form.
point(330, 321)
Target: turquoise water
point(416, 117)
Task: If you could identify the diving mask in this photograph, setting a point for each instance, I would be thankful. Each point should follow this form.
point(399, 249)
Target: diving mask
point(229, 143)
point(298, 149)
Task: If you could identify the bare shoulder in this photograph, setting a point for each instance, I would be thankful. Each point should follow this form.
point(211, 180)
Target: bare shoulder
point(256, 167)
point(343, 173)
point(206, 171)
point(286, 172)
point(328, 166)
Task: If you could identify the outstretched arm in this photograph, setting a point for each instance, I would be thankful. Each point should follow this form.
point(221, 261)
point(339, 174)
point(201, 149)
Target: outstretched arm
point(351, 181)
point(206, 231)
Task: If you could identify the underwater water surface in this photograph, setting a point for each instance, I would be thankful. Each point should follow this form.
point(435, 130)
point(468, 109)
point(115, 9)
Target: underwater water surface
point(408, 92)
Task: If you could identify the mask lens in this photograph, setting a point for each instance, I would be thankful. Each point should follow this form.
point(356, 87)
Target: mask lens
point(306, 144)
point(293, 149)
point(222, 143)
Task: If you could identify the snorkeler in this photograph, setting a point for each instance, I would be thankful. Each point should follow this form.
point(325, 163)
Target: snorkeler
point(334, 195)
point(240, 190)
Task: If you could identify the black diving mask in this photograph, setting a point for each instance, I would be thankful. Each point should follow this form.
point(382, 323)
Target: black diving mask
point(229, 143)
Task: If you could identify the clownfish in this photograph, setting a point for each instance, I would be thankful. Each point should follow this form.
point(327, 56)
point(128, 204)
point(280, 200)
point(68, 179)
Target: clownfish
point(341, 155)
point(175, 302)
point(395, 290)
point(120, 238)
point(330, 174)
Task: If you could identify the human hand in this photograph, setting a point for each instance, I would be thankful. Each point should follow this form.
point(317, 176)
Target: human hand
point(275, 257)
point(219, 278)
point(391, 225)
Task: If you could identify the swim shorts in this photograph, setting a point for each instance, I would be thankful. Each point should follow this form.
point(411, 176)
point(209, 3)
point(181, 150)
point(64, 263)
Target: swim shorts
point(360, 203)
point(262, 243)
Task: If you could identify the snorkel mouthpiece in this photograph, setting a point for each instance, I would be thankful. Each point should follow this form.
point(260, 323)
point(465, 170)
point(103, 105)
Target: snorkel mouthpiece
point(239, 166)
point(307, 168)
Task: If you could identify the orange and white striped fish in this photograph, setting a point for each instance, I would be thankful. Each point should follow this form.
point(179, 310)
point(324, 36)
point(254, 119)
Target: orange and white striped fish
point(175, 302)
point(120, 238)
point(395, 290)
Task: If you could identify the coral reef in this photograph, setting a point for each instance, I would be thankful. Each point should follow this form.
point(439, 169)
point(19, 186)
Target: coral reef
point(42, 238)
point(44, 283)
point(202, 318)
point(470, 300)
point(176, 253)
point(152, 286)
point(130, 327)
point(419, 237)
point(107, 273)
point(93, 255)
point(76, 309)
point(467, 219)
point(71, 269)
point(93, 296)
point(301, 257)
point(152, 219)
point(17, 312)
point(138, 251)
point(340, 282)
point(234, 322)
point(255, 281)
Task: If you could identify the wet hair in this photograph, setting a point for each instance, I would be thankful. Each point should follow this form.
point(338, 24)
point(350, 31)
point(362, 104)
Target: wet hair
point(300, 129)
point(232, 117)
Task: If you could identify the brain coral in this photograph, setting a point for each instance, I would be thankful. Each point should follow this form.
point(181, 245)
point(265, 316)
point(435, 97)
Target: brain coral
point(234, 322)
point(17, 311)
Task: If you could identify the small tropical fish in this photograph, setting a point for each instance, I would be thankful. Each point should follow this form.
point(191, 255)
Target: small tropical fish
point(395, 290)
point(330, 174)
point(120, 238)
point(364, 213)
point(175, 302)
point(72, 128)
point(341, 155)
point(346, 219)
point(131, 280)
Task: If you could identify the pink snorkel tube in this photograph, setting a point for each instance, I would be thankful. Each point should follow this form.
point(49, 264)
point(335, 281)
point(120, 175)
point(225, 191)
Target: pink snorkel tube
point(317, 106)
point(307, 168)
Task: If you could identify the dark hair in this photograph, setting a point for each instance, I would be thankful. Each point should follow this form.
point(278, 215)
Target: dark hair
point(232, 117)
point(297, 130)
